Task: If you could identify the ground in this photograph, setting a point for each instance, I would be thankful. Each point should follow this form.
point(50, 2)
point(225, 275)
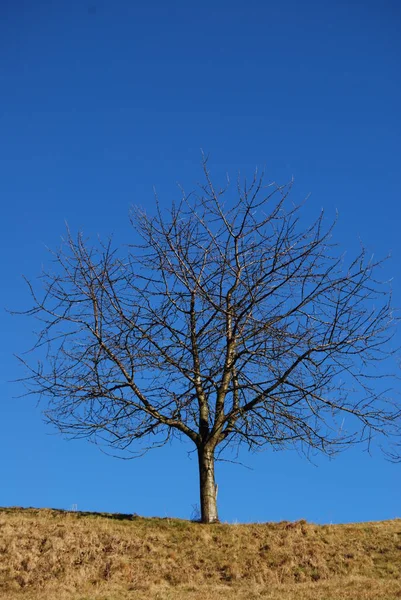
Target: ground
point(82, 556)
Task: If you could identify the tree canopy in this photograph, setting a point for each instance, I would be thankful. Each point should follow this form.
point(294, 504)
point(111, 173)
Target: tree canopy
point(224, 320)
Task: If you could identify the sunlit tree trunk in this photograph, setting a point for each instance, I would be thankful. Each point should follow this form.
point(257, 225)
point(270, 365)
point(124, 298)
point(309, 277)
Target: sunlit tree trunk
point(208, 488)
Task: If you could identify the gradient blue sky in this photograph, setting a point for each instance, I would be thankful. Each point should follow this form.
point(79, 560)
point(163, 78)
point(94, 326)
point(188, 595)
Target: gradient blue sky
point(102, 100)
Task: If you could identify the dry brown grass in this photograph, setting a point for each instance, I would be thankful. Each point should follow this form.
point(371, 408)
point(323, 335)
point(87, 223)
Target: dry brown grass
point(80, 556)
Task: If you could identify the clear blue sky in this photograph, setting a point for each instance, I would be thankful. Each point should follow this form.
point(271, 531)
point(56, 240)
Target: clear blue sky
point(102, 100)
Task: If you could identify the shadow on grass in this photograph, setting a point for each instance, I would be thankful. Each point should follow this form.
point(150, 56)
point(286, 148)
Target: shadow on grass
point(80, 513)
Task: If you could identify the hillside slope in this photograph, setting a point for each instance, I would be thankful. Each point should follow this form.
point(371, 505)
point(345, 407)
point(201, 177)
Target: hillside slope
point(82, 556)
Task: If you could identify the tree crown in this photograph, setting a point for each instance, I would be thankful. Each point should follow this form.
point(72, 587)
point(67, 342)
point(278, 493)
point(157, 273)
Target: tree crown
point(228, 323)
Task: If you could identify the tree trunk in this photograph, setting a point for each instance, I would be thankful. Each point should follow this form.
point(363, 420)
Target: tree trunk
point(208, 488)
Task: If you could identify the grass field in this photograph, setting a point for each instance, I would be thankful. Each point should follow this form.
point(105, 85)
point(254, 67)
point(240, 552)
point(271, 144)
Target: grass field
point(49, 554)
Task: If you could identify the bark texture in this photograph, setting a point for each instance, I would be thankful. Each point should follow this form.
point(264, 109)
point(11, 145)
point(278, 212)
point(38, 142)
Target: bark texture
point(208, 488)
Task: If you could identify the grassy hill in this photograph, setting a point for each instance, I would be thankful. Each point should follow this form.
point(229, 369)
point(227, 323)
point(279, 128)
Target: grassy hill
point(83, 556)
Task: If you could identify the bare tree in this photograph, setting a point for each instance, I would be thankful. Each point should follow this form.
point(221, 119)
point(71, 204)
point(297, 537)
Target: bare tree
point(227, 323)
